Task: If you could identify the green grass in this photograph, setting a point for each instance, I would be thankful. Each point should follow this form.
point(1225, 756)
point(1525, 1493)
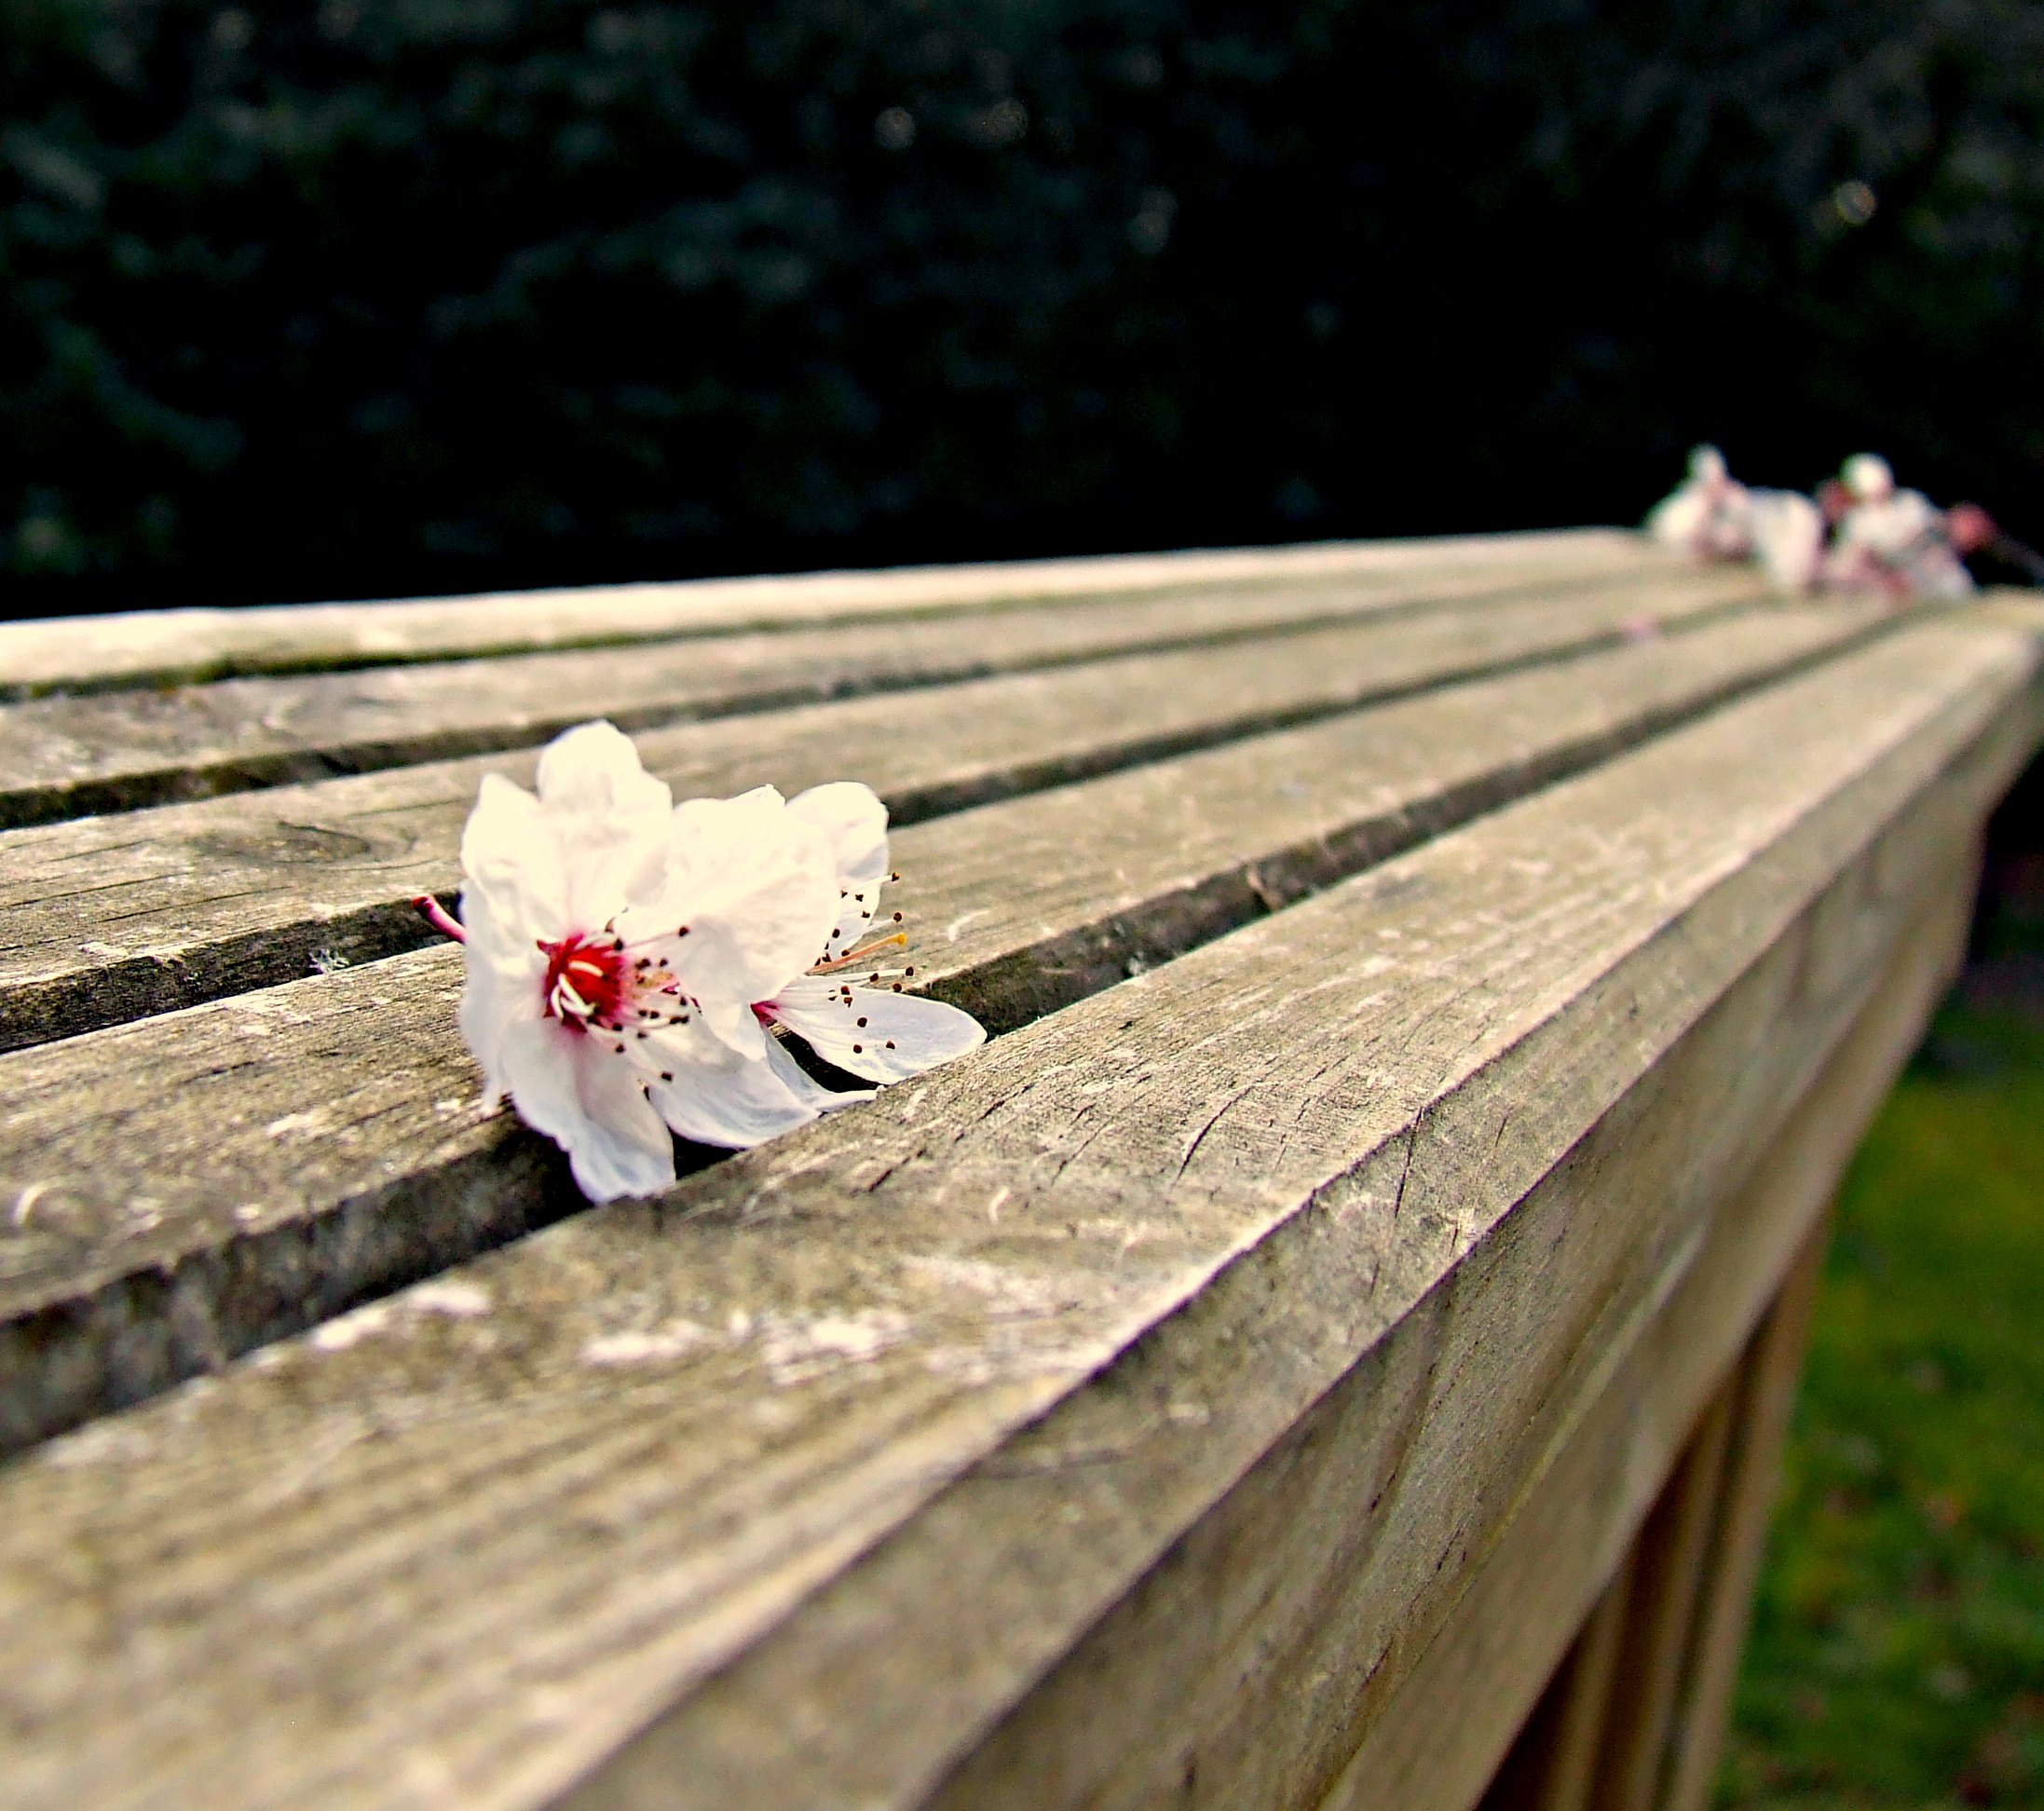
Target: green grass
point(1897, 1658)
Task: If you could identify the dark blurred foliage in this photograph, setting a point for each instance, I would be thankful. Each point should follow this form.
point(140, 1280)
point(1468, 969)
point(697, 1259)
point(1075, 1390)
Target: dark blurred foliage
point(398, 295)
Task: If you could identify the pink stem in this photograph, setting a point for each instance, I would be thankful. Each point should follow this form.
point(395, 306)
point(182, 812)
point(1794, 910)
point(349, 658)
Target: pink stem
point(435, 913)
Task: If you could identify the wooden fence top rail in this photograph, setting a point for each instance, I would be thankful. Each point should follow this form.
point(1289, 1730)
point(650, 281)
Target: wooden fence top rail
point(1406, 961)
point(152, 647)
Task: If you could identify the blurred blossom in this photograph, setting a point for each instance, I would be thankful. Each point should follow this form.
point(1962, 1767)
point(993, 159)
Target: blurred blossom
point(1710, 515)
point(1891, 540)
point(370, 295)
point(1787, 532)
point(1141, 68)
point(1855, 202)
point(1003, 123)
point(1149, 232)
point(1881, 538)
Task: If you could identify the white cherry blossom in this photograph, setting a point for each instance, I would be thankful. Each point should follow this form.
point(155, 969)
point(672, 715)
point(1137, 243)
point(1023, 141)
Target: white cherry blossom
point(1709, 516)
point(628, 959)
point(614, 947)
point(851, 1008)
point(1788, 531)
point(1891, 540)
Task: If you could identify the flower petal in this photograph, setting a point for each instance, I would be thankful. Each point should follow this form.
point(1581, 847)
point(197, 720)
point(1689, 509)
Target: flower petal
point(589, 1102)
point(610, 820)
point(512, 870)
point(805, 1087)
point(852, 817)
point(736, 1102)
point(592, 771)
point(901, 1034)
point(497, 993)
point(761, 892)
point(1788, 537)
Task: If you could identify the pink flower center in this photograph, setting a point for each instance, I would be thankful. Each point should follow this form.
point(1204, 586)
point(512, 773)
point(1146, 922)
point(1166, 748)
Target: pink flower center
point(586, 981)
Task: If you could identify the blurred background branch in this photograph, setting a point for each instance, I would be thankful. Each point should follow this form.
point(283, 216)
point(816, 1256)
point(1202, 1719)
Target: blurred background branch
point(386, 296)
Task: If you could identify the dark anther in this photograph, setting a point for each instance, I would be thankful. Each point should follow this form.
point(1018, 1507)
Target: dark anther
point(897, 917)
point(897, 986)
point(861, 1025)
point(890, 1044)
point(858, 1050)
point(666, 1075)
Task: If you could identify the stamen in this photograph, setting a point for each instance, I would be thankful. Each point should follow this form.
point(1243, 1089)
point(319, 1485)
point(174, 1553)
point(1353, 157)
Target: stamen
point(860, 954)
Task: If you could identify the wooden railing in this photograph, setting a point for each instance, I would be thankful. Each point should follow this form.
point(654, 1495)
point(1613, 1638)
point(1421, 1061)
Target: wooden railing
point(1327, 1350)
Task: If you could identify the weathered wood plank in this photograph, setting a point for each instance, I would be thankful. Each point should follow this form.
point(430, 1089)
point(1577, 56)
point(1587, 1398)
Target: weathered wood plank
point(203, 1182)
point(69, 756)
point(1661, 1617)
point(1250, 1680)
point(109, 918)
point(153, 647)
point(1768, 1395)
point(610, 1457)
point(1436, 1740)
point(1551, 1765)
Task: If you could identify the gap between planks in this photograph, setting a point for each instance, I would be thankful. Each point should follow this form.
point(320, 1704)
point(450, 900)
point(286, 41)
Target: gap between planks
point(107, 919)
point(204, 1181)
point(293, 1569)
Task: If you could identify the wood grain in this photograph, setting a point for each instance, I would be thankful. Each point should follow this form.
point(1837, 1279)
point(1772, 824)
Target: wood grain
point(1552, 1764)
point(208, 1180)
point(1767, 1393)
point(1674, 1545)
point(453, 1549)
point(110, 918)
point(69, 756)
point(157, 647)
point(1437, 1739)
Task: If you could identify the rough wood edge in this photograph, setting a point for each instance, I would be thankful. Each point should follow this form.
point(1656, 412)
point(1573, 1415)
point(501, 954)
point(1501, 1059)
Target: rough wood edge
point(1416, 1758)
